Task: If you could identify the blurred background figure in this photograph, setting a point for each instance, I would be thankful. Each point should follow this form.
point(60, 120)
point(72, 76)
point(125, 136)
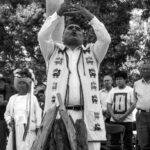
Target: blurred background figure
point(103, 93)
point(5, 93)
point(142, 100)
point(40, 94)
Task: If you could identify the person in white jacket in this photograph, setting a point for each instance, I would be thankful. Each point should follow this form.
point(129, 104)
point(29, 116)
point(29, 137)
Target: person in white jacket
point(23, 113)
point(72, 69)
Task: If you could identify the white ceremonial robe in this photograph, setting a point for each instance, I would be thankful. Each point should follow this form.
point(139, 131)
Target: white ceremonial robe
point(18, 108)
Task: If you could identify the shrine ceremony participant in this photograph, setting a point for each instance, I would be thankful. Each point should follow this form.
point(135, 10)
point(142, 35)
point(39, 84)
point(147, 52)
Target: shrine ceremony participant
point(23, 113)
point(103, 93)
point(72, 69)
point(142, 99)
point(120, 104)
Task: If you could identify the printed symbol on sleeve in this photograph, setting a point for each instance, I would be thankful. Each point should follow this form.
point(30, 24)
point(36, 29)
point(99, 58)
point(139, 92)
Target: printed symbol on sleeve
point(97, 115)
point(86, 51)
point(53, 99)
point(94, 99)
point(56, 73)
point(97, 127)
point(120, 103)
point(54, 87)
point(89, 60)
point(58, 60)
point(92, 73)
point(93, 86)
point(60, 51)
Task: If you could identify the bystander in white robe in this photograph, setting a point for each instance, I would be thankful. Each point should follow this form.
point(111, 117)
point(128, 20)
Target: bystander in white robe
point(18, 108)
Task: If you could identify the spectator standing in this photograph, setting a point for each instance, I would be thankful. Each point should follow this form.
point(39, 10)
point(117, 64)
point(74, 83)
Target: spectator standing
point(142, 99)
point(41, 97)
point(23, 114)
point(103, 93)
point(120, 105)
point(72, 69)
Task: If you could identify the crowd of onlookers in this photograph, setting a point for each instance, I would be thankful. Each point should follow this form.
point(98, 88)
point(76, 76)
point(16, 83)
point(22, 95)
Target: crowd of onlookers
point(128, 106)
point(118, 105)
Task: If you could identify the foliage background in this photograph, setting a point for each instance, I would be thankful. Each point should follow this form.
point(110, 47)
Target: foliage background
point(126, 20)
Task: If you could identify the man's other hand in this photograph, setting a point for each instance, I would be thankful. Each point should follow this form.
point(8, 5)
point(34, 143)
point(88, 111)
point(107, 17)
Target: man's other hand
point(64, 8)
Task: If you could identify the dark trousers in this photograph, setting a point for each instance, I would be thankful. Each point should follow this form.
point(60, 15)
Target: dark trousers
point(59, 138)
point(143, 129)
point(3, 134)
point(127, 135)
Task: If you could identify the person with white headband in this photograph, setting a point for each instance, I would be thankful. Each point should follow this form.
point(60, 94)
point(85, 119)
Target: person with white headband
point(23, 113)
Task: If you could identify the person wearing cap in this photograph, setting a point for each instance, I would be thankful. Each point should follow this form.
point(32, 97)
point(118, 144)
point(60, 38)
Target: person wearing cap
point(142, 99)
point(23, 111)
point(72, 69)
point(120, 106)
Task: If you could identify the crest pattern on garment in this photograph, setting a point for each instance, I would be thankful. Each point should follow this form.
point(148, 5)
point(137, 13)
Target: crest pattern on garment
point(88, 77)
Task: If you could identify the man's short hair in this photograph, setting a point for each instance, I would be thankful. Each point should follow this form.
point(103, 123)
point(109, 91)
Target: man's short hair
point(122, 74)
point(108, 74)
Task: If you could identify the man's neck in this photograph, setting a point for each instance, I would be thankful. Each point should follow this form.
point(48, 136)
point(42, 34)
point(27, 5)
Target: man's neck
point(72, 47)
point(122, 87)
point(108, 88)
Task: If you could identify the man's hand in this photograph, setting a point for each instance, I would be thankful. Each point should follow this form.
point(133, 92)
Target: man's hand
point(117, 117)
point(64, 8)
point(82, 11)
point(121, 118)
point(68, 9)
point(106, 113)
point(11, 124)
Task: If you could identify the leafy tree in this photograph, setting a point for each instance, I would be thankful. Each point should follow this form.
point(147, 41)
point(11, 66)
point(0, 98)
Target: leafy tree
point(137, 41)
point(20, 21)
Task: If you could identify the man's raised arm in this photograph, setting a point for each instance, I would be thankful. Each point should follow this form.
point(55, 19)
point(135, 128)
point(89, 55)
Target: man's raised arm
point(103, 38)
point(45, 34)
point(51, 7)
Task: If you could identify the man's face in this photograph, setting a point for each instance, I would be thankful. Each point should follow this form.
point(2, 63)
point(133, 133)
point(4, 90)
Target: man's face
point(23, 87)
point(120, 82)
point(145, 70)
point(41, 97)
point(73, 35)
point(107, 81)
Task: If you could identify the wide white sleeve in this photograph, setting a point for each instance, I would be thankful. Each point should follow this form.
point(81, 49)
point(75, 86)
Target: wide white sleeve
point(8, 113)
point(51, 7)
point(103, 39)
point(45, 39)
point(38, 112)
